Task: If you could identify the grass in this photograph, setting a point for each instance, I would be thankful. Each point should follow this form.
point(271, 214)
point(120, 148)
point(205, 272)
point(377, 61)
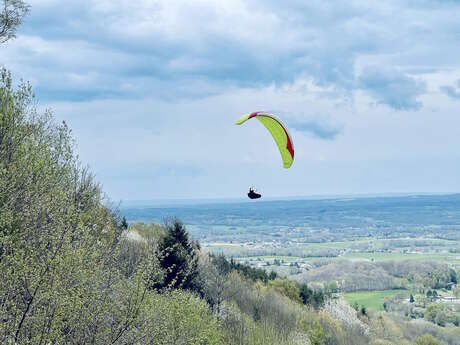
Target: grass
point(372, 300)
point(283, 258)
point(438, 257)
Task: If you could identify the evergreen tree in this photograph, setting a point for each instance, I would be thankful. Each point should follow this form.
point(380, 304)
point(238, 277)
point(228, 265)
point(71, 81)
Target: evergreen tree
point(453, 276)
point(356, 306)
point(178, 258)
point(272, 275)
point(124, 223)
point(311, 297)
point(255, 274)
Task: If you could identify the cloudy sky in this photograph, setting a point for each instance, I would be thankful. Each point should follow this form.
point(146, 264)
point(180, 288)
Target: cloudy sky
point(369, 89)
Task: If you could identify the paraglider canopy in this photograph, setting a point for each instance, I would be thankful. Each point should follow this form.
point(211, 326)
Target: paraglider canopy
point(278, 131)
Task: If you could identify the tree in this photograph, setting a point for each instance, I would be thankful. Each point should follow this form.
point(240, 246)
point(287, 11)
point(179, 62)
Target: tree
point(316, 334)
point(11, 16)
point(427, 339)
point(385, 306)
point(272, 275)
point(255, 274)
point(215, 280)
point(124, 223)
point(332, 287)
point(438, 313)
point(411, 299)
point(287, 288)
point(311, 297)
point(178, 257)
point(453, 276)
point(178, 317)
point(305, 293)
point(355, 306)
point(59, 244)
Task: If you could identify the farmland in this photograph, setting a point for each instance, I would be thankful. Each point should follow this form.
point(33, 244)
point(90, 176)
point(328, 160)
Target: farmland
point(373, 300)
point(368, 250)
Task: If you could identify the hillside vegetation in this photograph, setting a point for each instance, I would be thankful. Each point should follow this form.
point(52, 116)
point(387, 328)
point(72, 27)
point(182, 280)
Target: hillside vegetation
point(73, 272)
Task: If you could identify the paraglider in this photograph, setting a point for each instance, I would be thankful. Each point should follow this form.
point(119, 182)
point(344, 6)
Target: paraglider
point(253, 195)
point(280, 136)
point(278, 131)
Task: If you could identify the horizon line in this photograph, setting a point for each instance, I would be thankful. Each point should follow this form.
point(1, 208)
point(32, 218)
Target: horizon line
point(167, 201)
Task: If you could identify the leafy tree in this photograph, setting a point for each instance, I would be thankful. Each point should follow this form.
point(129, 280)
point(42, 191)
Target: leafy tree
point(178, 317)
point(438, 313)
point(427, 339)
point(287, 288)
point(316, 334)
point(11, 16)
point(332, 287)
point(215, 281)
point(59, 244)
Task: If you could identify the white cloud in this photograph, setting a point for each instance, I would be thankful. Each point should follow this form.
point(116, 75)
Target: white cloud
point(152, 89)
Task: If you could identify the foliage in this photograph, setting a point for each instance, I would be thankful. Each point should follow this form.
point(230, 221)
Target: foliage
point(311, 297)
point(74, 272)
point(178, 317)
point(287, 288)
point(316, 334)
point(453, 276)
point(427, 339)
point(58, 242)
point(71, 272)
point(147, 232)
point(439, 314)
point(11, 16)
point(255, 274)
point(178, 257)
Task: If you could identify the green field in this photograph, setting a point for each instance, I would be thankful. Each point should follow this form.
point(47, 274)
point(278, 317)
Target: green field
point(438, 257)
point(372, 300)
point(270, 258)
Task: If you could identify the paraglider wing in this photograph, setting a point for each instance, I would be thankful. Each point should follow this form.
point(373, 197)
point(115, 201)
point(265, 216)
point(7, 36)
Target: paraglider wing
point(278, 131)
